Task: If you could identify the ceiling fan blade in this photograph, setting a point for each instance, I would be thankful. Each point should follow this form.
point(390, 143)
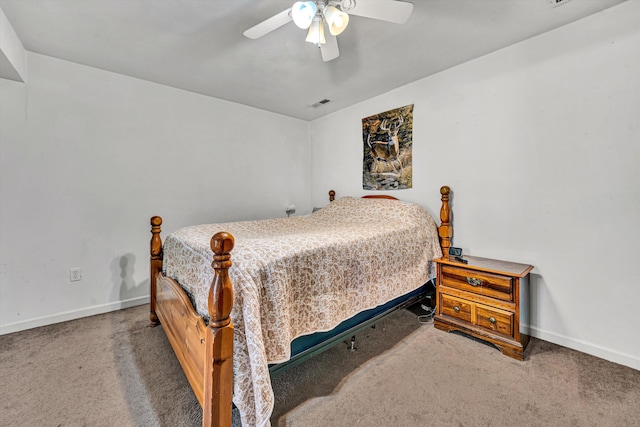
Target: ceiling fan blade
point(385, 10)
point(329, 50)
point(269, 25)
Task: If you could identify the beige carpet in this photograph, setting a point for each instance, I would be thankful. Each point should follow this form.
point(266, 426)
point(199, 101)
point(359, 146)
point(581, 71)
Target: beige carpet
point(113, 370)
point(434, 378)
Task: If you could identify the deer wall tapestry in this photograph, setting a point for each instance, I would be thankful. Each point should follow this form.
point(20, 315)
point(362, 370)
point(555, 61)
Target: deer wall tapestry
point(387, 141)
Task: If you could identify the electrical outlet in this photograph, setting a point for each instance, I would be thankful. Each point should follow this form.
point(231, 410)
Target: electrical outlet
point(75, 274)
point(290, 210)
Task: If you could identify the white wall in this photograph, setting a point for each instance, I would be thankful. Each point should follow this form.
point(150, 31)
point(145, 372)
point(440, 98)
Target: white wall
point(87, 156)
point(540, 143)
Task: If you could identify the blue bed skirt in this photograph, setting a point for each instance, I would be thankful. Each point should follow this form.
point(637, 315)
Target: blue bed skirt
point(307, 346)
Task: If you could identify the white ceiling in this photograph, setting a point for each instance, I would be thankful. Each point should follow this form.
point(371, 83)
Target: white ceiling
point(197, 45)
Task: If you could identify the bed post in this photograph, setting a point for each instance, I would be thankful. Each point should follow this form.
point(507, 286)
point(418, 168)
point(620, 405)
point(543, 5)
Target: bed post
point(332, 195)
point(156, 267)
point(218, 364)
point(445, 231)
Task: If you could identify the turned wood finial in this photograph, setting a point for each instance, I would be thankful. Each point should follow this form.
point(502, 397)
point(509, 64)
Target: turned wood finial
point(221, 291)
point(445, 211)
point(156, 242)
point(332, 195)
point(445, 231)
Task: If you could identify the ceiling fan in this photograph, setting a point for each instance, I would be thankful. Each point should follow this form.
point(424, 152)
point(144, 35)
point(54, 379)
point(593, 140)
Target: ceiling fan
point(334, 14)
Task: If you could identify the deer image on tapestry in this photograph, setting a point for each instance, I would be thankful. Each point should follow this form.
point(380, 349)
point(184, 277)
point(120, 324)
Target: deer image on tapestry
point(387, 142)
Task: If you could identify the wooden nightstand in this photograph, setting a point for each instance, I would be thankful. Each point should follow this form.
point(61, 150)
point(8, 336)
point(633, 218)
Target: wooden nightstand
point(486, 298)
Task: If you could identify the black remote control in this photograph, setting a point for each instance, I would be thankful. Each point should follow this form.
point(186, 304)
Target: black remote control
point(462, 260)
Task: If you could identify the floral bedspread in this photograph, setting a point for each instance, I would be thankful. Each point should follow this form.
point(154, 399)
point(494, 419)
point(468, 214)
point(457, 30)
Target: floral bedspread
point(294, 276)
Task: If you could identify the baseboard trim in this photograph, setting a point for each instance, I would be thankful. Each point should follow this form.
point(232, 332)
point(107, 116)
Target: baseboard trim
point(586, 347)
point(563, 340)
point(9, 328)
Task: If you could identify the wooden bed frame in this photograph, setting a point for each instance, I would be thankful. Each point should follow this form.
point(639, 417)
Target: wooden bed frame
point(205, 351)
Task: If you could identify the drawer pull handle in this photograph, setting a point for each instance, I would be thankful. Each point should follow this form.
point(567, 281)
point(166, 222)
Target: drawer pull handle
point(456, 309)
point(473, 281)
point(492, 320)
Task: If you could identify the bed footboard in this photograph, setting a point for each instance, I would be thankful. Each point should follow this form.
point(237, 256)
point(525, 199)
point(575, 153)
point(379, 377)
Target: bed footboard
point(205, 352)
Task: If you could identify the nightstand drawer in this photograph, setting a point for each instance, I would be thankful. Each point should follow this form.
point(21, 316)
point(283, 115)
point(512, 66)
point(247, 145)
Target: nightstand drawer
point(478, 282)
point(495, 320)
point(490, 318)
point(455, 307)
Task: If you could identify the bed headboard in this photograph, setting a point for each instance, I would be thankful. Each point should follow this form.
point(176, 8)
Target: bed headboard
point(445, 230)
point(379, 196)
point(332, 196)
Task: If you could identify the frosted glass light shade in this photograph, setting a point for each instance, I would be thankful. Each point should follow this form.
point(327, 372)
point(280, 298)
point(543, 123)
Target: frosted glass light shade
point(302, 13)
point(336, 19)
point(316, 32)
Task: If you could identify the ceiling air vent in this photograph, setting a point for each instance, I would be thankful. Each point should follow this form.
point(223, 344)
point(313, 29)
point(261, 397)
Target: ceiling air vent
point(555, 3)
point(319, 103)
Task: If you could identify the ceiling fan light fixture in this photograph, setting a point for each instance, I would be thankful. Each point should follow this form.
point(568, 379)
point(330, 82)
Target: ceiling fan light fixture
point(302, 13)
point(313, 15)
point(316, 32)
point(336, 19)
